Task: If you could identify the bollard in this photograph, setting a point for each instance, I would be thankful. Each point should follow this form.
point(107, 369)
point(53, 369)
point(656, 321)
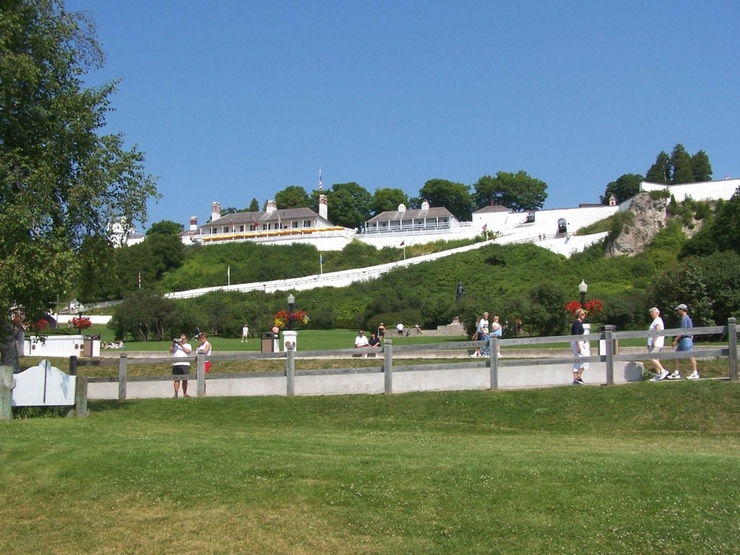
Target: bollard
point(493, 347)
point(81, 410)
point(388, 366)
point(122, 376)
point(200, 373)
point(6, 397)
point(732, 343)
point(609, 352)
point(290, 370)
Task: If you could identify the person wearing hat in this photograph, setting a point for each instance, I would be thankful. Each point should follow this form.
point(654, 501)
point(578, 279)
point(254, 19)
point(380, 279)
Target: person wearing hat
point(684, 342)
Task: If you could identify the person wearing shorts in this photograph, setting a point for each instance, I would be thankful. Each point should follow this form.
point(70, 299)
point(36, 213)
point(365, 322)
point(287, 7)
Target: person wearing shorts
point(655, 344)
point(181, 350)
point(581, 349)
point(684, 342)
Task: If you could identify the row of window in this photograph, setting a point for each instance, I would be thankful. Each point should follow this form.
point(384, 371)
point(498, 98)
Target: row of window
point(242, 228)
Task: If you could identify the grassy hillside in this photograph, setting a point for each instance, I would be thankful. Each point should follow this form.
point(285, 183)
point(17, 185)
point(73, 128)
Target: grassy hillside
point(632, 469)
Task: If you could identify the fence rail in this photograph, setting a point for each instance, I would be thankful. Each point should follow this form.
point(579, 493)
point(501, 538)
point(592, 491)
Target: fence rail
point(476, 373)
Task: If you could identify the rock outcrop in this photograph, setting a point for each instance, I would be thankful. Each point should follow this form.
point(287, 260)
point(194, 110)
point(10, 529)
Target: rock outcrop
point(649, 218)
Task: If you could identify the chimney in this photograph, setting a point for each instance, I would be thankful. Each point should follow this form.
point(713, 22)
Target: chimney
point(215, 211)
point(193, 223)
point(270, 207)
point(425, 205)
point(323, 207)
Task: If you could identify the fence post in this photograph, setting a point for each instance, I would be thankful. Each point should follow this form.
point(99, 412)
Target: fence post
point(388, 366)
point(81, 410)
point(290, 370)
point(732, 342)
point(200, 374)
point(609, 352)
point(493, 356)
point(122, 376)
point(6, 394)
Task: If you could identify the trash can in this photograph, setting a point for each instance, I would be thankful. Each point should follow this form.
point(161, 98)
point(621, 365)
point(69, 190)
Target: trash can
point(268, 342)
point(87, 345)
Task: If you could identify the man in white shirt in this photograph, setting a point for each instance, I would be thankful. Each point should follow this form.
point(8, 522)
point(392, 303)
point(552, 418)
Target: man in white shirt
point(361, 341)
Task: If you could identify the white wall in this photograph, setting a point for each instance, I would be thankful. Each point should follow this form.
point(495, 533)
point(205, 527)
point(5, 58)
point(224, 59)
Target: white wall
point(707, 190)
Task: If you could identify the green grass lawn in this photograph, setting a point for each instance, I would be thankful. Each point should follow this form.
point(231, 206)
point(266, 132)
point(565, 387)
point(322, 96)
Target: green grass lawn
point(644, 468)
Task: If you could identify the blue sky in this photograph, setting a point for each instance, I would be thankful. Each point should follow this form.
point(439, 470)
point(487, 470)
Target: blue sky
point(236, 99)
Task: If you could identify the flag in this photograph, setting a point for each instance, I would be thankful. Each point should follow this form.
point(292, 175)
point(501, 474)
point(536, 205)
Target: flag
point(402, 243)
point(321, 183)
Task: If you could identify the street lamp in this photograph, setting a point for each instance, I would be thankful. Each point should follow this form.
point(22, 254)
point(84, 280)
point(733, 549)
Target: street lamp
point(582, 288)
point(291, 302)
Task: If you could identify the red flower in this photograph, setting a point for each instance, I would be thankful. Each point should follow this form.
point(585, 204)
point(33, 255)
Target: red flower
point(80, 323)
point(593, 307)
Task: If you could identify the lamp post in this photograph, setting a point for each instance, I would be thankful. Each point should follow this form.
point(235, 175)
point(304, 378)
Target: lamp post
point(291, 302)
point(80, 308)
point(582, 288)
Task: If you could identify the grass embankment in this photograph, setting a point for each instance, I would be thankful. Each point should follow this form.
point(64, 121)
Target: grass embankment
point(645, 468)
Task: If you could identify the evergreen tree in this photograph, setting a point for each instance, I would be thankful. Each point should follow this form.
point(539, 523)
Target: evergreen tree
point(681, 166)
point(660, 171)
point(701, 167)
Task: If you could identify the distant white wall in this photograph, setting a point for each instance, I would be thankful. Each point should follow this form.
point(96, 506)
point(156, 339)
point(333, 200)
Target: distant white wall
point(706, 190)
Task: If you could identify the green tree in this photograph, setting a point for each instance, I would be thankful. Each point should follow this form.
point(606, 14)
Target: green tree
point(448, 194)
point(681, 165)
point(61, 178)
point(165, 227)
point(726, 225)
point(387, 199)
point(516, 191)
point(292, 196)
point(349, 204)
point(660, 171)
point(146, 316)
point(254, 206)
point(625, 187)
point(701, 167)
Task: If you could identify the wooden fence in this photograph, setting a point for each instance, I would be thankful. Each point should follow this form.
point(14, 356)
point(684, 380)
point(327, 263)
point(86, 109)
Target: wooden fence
point(391, 363)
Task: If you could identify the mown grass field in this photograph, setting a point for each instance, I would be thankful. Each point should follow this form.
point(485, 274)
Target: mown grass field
point(643, 468)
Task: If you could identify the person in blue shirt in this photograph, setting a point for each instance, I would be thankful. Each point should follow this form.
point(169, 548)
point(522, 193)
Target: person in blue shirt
point(684, 342)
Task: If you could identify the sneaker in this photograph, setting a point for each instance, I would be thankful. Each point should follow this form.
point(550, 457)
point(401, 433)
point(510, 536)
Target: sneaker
point(580, 381)
point(675, 376)
point(662, 376)
point(474, 355)
point(693, 376)
point(576, 382)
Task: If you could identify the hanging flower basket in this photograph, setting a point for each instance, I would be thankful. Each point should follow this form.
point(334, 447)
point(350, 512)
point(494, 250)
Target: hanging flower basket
point(299, 317)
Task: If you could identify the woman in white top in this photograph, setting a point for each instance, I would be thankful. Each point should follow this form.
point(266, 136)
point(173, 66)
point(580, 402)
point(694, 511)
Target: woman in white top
point(205, 349)
point(655, 343)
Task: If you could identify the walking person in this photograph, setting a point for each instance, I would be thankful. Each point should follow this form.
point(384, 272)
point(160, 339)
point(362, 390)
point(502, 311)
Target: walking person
point(655, 344)
point(684, 342)
point(245, 333)
point(496, 331)
point(483, 328)
point(581, 349)
point(476, 337)
point(205, 349)
point(181, 350)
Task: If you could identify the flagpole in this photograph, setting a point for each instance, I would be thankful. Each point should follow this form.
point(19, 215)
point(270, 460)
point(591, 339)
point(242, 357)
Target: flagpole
point(321, 265)
point(228, 275)
point(404, 250)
